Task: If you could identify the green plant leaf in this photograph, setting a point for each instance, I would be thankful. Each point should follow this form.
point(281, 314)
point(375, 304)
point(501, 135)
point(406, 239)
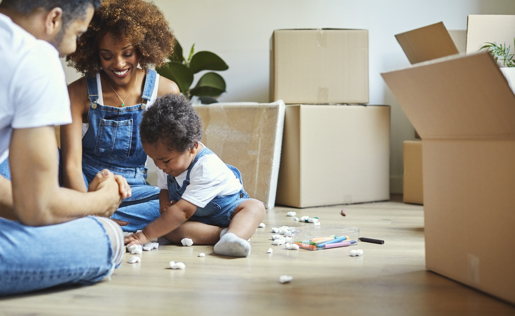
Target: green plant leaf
point(192, 51)
point(205, 60)
point(210, 84)
point(179, 73)
point(177, 52)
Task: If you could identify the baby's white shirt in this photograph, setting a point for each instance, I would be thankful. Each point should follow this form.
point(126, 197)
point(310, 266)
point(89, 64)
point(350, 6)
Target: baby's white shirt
point(209, 177)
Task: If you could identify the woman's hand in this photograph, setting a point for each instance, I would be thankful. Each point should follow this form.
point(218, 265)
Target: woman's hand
point(167, 205)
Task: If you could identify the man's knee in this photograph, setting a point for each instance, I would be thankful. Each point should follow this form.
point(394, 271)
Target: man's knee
point(115, 233)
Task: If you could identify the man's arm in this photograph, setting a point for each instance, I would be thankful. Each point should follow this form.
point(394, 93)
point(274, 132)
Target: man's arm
point(37, 198)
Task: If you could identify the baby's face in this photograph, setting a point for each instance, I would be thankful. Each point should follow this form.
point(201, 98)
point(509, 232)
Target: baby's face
point(171, 162)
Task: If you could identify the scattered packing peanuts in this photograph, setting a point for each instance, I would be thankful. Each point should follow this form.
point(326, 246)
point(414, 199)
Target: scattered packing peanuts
point(275, 230)
point(303, 218)
point(291, 246)
point(278, 242)
point(201, 254)
point(187, 242)
point(356, 252)
point(151, 245)
point(177, 265)
point(135, 249)
point(134, 259)
point(313, 220)
point(262, 225)
point(291, 214)
point(274, 237)
point(287, 239)
point(296, 219)
point(285, 279)
point(270, 250)
point(317, 223)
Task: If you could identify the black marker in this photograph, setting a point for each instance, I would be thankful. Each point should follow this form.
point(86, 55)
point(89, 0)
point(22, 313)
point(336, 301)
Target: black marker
point(371, 240)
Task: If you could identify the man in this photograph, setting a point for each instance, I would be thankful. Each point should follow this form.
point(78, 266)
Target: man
point(45, 238)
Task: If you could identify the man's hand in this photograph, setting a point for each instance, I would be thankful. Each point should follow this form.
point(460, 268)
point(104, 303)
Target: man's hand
point(106, 181)
point(124, 188)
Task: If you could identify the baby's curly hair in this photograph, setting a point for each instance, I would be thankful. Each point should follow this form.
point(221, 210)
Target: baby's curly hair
point(136, 21)
point(173, 120)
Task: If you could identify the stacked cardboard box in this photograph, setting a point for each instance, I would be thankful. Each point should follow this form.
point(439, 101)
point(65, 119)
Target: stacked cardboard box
point(464, 110)
point(413, 191)
point(335, 150)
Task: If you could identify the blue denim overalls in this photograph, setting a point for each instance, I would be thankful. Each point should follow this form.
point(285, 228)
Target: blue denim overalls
point(220, 210)
point(112, 142)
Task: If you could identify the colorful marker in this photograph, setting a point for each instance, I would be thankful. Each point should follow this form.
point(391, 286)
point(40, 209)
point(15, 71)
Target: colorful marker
point(340, 239)
point(340, 244)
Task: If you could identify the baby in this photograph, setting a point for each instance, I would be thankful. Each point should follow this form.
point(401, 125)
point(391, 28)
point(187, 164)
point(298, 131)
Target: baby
point(201, 197)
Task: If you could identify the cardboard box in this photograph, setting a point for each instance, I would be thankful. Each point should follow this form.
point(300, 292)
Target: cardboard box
point(247, 136)
point(464, 110)
point(490, 28)
point(317, 66)
point(427, 43)
point(413, 188)
point(334, 154)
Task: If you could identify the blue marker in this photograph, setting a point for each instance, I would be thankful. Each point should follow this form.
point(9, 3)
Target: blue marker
point(339, 239)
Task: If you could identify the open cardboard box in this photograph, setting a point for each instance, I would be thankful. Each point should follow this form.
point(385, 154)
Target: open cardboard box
point(427, 43)
point(464, 110)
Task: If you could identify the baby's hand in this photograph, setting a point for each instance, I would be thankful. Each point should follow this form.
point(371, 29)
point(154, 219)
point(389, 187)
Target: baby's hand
point(137, 239)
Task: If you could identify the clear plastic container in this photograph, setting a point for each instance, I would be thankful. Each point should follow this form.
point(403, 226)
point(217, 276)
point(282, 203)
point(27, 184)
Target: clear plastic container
point(325, 237)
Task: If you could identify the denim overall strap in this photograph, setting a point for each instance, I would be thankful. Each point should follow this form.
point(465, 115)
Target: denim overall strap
point(91, 84)
point(174, 191)
point(149, 86)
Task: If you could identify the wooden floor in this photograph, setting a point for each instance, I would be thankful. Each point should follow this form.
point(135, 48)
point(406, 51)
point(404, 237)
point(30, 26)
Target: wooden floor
point(388, 279)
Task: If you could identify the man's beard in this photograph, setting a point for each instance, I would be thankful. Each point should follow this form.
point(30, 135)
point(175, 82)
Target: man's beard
point(56, 42)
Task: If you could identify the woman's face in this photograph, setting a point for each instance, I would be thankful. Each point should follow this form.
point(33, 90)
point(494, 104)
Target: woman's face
point(118, 59)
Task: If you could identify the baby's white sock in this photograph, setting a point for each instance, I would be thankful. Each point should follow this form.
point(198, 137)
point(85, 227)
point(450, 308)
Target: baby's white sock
point(232, 245)
point(223, 232)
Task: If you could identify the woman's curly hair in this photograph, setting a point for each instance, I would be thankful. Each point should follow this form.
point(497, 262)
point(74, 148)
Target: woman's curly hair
point(173, 121)
point(136, 21)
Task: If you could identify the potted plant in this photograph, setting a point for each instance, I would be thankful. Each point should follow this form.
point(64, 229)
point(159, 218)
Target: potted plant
point(506, 60)
point(182, 71)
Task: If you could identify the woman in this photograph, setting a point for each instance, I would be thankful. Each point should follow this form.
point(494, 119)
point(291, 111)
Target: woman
point(107, 104)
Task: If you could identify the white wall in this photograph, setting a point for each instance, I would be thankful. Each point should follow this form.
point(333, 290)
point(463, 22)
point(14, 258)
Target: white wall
point(239, 31)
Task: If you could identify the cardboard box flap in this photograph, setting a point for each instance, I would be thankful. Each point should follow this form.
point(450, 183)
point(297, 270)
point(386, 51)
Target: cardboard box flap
point(427, 43)
point(457, 97)
point(490, 28)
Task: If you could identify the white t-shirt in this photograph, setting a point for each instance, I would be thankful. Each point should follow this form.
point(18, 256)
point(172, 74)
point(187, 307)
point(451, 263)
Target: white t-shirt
point(209, 177)
point(33, 89)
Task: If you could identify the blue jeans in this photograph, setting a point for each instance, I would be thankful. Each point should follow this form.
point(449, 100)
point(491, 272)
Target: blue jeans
point(35, 258)
point(4, 169)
